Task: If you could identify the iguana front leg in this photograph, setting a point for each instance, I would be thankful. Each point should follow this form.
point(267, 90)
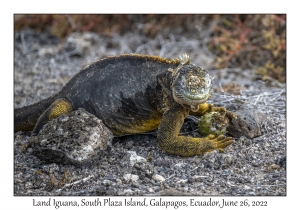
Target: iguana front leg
point(171, 143)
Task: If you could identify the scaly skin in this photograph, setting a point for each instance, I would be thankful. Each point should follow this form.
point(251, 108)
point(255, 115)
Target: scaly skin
point(134, 94)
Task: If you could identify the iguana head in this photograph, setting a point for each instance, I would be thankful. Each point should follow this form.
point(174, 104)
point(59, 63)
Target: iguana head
point(191, 84)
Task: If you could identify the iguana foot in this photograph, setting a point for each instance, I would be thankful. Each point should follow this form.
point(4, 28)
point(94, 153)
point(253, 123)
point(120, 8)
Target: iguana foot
point(219, 142)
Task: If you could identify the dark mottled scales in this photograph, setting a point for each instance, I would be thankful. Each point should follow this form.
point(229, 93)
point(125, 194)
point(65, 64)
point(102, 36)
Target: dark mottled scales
point(117, 92)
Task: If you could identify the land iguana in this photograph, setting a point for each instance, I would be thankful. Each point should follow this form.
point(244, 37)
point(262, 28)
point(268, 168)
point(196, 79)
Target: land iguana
point(133, 94)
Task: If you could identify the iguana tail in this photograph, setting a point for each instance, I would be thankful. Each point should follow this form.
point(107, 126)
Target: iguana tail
point(26, 117)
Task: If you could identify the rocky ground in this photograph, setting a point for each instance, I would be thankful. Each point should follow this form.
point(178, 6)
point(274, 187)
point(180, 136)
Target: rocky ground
point(135, 165)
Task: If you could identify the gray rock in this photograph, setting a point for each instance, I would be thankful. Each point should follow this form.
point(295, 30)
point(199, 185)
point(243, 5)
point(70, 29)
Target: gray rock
point(119, 181)
point(107, 182)
point(182, 181)
point(75, 138)
point(134, 158)
point(144, 169)
point(158, 178)
point(130, 177)
point(128, 192)
point(135, 184)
